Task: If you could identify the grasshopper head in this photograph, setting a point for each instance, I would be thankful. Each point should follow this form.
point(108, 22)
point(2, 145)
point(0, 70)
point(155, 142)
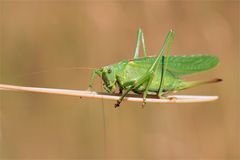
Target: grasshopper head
point(109, 78)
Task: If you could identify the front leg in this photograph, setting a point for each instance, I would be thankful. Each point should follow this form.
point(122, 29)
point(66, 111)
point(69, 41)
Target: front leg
point(122, 97)
point(129, 85)
point(146, 78)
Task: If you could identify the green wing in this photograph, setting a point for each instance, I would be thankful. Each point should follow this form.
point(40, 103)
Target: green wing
point(184, 65)
point(179, 65)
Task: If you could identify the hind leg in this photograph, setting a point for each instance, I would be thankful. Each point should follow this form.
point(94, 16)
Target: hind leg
point(140, 38)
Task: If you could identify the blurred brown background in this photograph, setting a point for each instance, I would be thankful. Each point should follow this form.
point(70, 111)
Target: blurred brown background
point(42, 40)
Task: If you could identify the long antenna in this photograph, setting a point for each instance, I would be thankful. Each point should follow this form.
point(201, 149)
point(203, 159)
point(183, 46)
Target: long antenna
point(54, 70)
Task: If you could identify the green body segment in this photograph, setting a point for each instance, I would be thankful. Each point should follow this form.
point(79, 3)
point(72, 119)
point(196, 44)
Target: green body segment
point(127, 71)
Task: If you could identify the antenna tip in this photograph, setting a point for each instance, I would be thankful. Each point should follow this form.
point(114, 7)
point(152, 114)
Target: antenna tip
point(219, 79)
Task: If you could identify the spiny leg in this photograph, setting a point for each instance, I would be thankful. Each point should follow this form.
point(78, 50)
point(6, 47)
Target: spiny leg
point(164, 64)
point(146, 90)
point(160, 93)
point(140, 38)
point(132, 85)
point(125, 85)
point(156, 63)
point(122, 96)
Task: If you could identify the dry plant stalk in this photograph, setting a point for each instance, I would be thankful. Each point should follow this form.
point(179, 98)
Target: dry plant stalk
point(102, 95)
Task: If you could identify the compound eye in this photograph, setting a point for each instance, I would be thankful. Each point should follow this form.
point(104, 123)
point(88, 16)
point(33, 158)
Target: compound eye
point(109, 70)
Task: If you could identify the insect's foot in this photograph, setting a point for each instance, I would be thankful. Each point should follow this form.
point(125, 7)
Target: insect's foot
point(144, 102)
point(117, 104)
point(172, 98)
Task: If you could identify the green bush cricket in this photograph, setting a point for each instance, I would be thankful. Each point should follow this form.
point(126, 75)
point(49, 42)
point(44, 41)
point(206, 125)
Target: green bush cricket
point(160, 75)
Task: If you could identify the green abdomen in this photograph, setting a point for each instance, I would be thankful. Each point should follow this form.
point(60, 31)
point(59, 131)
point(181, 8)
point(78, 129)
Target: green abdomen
point(136, 69)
